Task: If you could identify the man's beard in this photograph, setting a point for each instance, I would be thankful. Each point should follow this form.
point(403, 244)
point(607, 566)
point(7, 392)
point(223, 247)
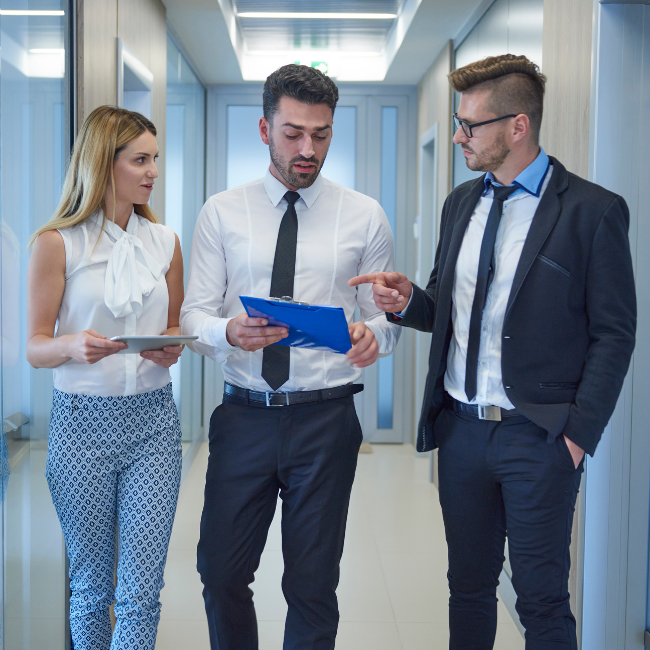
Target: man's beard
point(491, 159)
point(295, 179)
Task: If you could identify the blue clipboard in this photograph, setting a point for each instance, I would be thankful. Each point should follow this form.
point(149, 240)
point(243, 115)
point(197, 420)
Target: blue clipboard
point(310, 326)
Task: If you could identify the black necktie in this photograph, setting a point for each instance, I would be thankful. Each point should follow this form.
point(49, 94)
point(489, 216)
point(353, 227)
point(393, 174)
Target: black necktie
point(276, 358)
point(483, 281)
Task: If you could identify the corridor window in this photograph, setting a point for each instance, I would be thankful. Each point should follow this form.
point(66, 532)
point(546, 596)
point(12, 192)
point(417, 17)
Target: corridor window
point(35, 135)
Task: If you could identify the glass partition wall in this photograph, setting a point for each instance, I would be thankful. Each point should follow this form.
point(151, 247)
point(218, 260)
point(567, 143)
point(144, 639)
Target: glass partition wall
point(368, 153)
point(35, 135)
point(184, 197)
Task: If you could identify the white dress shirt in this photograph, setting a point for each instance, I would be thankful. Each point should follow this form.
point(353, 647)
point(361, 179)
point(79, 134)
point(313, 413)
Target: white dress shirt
point(341, 234)
point(115, 286)
point(518, 213)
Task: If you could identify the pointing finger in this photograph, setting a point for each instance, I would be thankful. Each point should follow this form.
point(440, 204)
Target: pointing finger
point(394, 276)
point(368, 278)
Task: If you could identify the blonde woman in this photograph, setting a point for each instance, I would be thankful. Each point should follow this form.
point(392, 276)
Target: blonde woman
point(102, 267)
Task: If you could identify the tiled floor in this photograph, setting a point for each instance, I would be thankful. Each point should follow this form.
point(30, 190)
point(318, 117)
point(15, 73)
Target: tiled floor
point(393, 590)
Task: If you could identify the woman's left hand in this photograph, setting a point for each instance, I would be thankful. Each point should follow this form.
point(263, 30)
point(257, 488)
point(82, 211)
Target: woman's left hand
point(166, 357)
point(169, 355)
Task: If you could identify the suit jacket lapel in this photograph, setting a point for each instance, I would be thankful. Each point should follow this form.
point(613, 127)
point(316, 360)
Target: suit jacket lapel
point(543, 222)
point(448, 269)
point(465, 212)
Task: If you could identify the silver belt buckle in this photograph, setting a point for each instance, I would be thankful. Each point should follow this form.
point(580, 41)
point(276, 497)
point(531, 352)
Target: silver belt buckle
point(268, 400)
point(489, 413)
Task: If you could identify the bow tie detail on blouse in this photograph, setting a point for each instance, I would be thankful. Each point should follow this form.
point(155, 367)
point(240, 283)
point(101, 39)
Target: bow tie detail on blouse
point(132, 272)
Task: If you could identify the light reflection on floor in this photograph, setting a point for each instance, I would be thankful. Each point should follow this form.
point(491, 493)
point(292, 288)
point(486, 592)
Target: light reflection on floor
point(393, 591)
point(34, 555)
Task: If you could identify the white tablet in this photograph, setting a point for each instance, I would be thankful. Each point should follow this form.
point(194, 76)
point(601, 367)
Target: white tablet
point(139, 344)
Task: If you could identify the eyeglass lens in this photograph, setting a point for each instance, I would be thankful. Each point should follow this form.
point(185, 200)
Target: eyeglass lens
point(467, 130)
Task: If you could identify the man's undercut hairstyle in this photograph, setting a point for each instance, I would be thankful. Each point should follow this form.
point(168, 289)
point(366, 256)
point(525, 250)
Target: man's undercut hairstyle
point(515, 83)
point(300, 82)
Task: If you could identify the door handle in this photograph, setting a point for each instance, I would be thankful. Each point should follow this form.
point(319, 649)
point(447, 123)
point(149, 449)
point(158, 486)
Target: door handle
point(12, 424)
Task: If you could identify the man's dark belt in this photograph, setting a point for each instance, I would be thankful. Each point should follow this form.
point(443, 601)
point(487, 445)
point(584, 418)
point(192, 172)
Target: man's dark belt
point(295, 397)
point(494, 413)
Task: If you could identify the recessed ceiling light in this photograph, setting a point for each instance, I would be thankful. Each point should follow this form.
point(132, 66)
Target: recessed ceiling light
point(29, 12)
point(304, 14)
point(314, 55)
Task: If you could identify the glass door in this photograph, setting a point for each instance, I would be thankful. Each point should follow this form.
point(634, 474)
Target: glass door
point(386, 409)
point(184, 197)
point(369, 153)
point(35, 144)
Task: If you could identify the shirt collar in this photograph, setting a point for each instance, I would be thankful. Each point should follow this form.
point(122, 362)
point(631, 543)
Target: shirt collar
point(530, 180)
point(276, 190)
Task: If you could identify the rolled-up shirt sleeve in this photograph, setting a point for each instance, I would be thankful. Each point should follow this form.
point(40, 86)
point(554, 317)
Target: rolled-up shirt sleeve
point(206, 289)
point(378, 257)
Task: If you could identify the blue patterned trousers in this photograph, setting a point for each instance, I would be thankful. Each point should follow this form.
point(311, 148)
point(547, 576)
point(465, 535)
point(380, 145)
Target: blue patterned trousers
point(114, 464)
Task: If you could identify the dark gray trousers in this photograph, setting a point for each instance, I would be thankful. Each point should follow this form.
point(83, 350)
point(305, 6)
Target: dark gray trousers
point(497, 479)
point(308, 455)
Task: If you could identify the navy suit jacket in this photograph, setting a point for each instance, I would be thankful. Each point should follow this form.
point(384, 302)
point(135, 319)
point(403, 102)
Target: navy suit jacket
point(570, 323)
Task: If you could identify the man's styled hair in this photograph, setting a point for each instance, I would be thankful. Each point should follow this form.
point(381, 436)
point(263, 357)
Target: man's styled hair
point(299, 82)
point(515, 83)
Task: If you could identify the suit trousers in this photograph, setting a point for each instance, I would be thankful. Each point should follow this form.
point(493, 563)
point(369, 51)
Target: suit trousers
point(499, 479)
point(307, 454)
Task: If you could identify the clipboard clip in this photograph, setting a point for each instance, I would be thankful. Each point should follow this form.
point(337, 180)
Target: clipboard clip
point(289, 300)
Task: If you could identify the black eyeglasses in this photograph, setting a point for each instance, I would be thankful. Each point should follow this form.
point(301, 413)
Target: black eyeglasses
point(467, 127)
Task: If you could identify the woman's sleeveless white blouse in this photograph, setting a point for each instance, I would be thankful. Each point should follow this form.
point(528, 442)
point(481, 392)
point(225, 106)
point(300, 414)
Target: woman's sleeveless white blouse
point(117, 287)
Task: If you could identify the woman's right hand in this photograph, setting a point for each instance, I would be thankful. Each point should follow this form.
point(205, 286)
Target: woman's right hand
point(90, 347)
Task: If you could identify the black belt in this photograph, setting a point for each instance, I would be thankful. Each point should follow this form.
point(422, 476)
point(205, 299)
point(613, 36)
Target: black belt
point(494, 413)
point(295, 397)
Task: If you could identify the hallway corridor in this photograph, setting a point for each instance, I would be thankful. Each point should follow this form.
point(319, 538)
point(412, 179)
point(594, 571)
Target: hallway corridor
point(393, 590)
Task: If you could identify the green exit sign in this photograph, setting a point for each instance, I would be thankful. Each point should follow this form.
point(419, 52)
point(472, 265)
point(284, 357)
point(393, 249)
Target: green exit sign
point(321, 66)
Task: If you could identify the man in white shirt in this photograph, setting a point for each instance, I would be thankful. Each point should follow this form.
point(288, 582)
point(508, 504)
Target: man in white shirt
point(287, 424)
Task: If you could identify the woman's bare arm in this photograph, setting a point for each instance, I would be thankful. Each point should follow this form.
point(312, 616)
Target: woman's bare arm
point(45, 287)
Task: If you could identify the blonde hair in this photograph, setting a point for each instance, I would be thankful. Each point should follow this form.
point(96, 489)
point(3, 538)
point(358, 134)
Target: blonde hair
point(104, 134)
point(515, 83)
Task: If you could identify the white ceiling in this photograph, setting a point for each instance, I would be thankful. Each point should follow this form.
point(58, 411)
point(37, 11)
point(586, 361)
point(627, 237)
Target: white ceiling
point(271, 34)
point(221, 44)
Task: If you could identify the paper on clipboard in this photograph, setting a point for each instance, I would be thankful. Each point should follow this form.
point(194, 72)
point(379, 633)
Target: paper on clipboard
point(316, 327)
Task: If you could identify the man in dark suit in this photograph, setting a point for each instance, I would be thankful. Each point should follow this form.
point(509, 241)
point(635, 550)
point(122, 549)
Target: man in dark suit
point(532, 308)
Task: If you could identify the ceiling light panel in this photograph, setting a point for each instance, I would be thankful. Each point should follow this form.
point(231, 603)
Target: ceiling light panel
point(30, 12)
point(302, 15)
point(328, 34)
point(320, 6)
point(303, 32)
point(321, 35)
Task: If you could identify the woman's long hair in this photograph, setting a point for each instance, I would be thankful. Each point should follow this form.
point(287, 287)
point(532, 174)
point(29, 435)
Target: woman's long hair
point(104, 134)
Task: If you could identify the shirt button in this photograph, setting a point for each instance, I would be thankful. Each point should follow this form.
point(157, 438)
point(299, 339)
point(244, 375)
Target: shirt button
point(508, 387)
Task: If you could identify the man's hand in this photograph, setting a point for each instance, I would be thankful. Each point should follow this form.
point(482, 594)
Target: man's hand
point(576, 453)
point(252, 334)
point(390, 291)
point(365, 348)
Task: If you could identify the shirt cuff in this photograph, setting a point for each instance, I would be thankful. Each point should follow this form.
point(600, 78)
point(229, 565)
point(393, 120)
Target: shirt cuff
point(214, 334)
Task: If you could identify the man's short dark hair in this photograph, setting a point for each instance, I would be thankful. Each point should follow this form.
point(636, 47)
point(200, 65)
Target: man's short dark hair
point(299, 82)
point(515, 83)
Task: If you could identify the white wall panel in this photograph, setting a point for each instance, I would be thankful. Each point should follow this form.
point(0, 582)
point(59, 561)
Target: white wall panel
point(618, 476)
